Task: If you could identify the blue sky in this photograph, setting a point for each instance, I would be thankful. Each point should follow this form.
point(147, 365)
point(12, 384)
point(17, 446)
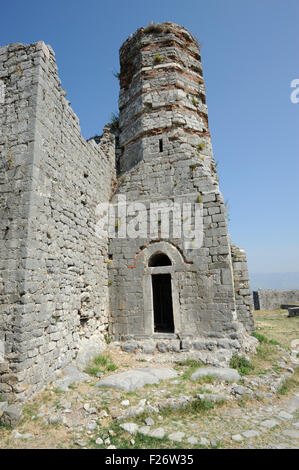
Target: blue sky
point(250, 52)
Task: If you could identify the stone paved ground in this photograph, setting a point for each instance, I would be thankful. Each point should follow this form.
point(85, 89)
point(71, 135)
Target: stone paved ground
point(260, 411)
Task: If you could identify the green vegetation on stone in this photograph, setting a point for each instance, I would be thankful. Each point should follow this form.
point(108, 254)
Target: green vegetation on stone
point(241, 364)
point(101, 364)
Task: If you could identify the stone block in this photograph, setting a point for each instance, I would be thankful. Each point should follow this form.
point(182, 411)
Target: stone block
point(11, 416)
point(130, 346)
point(162, 346)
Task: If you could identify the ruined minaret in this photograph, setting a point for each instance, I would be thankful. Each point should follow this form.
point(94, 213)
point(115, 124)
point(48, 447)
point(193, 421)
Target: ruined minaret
point(162, 98)
point(166, 156)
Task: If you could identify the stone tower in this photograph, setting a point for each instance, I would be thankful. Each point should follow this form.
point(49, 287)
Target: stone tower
point(62, 286)
point(171, 286)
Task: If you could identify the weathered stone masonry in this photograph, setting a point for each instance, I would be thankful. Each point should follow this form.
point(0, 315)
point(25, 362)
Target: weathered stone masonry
point(166, 154)
point(57, 297)
point(267, 299)
point(242, 287)
point(53, 286)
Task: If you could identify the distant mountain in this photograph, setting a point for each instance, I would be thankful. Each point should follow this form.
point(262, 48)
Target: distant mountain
point(281, 281)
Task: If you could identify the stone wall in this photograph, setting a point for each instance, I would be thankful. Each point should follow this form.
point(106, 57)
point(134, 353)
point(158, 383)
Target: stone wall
point(19, 74)
point(271, 299)
point(57, 295)
point(54, 282)
point(166, 155)
point(243, 297)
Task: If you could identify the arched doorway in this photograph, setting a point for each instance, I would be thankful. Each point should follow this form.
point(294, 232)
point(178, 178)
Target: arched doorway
point(162, 295)
point(159, 259)
point(150, 262)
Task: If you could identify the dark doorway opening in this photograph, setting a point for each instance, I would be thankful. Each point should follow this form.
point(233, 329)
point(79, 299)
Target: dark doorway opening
point(162, 300)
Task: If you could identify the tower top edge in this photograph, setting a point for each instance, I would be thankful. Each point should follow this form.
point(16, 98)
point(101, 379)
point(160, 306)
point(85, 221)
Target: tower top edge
point(158, 29)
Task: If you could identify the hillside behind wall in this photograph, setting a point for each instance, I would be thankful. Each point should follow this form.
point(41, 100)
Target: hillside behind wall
point(53, 275)
point(271, 299)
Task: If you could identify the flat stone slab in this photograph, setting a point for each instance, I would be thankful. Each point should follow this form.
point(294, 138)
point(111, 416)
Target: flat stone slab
point(158, 433)
point(144, 430)
point(284, 415)
point(192, 440)
point(237, 438)
point(204, 441)
point(291, 433)
point(222, 373)
point(250, 433)
point(131, 428)
point(176, 436)
point(136, 378)
point(219, 397)
point(270, 423)
point(293, 404)
point(71, 375)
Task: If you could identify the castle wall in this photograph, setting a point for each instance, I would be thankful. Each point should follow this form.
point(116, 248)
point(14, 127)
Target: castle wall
point(61, 285)
point(19, 78)
point(54, 294)
point(269, 299)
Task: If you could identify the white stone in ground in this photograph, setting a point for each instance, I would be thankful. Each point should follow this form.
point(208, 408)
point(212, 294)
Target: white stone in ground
point(91, 426)
point(192, 440)
point(125, 403)
point(222, 373)
point(204, 442)
point(103, 414)
point(88, 349)
point(149, 421)
point(17, 435)
point(129, 427)
point(284, 415)
point(71, 375)
point(144, 430)
point(158, 433)
point(237, 438)
point(291, 433)
point(176, 436)
point(137, 378)
point(270, 423)
point(250, 433)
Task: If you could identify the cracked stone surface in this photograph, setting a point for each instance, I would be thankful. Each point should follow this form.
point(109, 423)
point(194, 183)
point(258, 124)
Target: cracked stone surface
point(137, 378)
point(71, 375)
point(222, 373)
